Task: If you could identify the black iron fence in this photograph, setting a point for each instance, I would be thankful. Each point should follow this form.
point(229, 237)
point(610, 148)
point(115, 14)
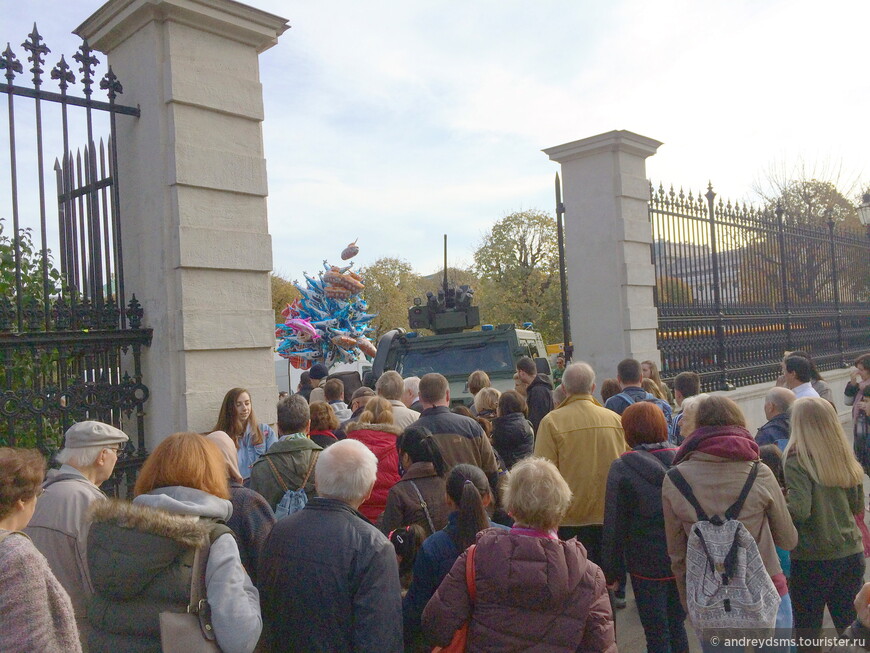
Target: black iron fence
point(736, 286)
point(70, 340)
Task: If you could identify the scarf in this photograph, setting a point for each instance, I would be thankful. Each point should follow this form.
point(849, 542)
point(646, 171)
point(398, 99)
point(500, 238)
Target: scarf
point(731, 442)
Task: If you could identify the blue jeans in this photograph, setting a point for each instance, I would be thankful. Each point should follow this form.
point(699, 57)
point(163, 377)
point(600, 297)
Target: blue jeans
point(661, 615)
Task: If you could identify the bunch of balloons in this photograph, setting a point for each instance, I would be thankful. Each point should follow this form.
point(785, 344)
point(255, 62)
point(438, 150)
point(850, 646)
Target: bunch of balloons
point(330, 322)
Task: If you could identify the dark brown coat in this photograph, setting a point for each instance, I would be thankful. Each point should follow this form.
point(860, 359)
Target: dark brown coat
point(533, 594)
point(403, 504)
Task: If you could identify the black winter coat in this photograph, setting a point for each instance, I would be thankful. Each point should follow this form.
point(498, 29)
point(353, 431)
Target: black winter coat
point(330, 582)
point(513, 438)
point(634, 525)
point(539, 396)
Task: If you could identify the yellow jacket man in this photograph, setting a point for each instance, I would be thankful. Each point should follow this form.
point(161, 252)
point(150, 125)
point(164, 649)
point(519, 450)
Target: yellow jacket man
point(582, 439)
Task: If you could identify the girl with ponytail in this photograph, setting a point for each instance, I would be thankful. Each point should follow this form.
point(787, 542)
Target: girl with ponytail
point(419, 497)
point(468, 495)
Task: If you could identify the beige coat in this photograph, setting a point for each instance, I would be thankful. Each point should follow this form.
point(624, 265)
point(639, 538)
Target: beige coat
point(716, 483)
point(59, 529)
point(403, 416)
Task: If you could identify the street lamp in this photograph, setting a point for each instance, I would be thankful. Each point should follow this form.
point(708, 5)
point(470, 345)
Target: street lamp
point(864, 213)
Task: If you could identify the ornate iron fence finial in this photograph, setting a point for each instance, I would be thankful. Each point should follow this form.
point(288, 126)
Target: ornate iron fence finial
point(63, 74)
point(9, 62)
point(88, 61)
point(111, 84)
point(37, 49)
point(135, 313)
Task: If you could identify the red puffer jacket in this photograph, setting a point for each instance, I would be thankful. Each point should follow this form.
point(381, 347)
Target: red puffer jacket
point(381, 440)
point(533, 594)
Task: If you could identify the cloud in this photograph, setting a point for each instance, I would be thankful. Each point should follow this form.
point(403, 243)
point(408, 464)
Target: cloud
point(398, 122)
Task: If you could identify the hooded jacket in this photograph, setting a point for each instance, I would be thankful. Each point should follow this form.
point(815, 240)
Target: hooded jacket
point(513, 438)
point(291, 457)
point(539, 396)
point(140, 555)
point(381, 441)
point(634, 525)
point(59, 529)
point(533, 594)
point(715, 461)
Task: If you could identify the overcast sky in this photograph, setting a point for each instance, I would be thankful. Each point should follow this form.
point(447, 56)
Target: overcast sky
point(397, 122)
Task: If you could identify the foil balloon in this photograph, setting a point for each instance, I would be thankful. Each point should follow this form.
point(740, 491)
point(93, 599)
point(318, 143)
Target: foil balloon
point(329, 323)
point(350, 251)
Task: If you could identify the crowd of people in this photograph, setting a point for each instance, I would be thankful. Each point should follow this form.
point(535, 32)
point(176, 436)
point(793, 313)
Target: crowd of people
point(398, 522)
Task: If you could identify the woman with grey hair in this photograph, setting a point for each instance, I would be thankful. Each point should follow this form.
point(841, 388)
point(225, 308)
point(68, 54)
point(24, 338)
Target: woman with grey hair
point(526, 571)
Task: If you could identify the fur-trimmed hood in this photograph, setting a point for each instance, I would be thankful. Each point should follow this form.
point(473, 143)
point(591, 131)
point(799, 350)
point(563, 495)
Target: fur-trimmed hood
point(184, 529)
point(363, 426)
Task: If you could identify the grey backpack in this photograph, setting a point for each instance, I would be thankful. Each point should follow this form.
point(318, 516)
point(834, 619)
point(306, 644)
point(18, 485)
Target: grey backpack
point(727, 586)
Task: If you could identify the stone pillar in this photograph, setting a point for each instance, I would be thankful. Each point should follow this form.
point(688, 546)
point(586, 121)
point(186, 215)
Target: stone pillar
point(192, 184)
point(607, 248)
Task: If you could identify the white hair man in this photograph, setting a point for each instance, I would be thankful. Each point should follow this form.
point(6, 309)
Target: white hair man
point(411, 395)
point(777, 403)
point(582, 438)
point(390, 386)
point(328, 546)
point(59, 528)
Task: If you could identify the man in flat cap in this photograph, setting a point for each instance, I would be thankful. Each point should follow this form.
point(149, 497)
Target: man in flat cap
point(59, 528)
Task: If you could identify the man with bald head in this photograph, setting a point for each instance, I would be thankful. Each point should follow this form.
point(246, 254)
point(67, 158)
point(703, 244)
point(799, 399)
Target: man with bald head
point(777, 403)
point(582, 438)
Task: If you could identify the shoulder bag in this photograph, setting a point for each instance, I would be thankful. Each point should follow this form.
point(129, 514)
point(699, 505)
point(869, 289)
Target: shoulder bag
point(460, 637)
point(191, 631)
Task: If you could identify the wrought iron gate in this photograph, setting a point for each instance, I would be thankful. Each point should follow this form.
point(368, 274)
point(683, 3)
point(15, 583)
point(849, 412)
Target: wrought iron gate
point(70, 337)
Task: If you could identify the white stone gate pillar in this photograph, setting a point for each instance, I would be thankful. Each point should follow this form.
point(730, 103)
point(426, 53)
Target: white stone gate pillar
point(607, 248)
point(197, 251)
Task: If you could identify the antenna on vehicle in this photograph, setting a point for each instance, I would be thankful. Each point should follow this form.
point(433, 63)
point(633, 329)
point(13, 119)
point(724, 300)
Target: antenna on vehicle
point(445, 266)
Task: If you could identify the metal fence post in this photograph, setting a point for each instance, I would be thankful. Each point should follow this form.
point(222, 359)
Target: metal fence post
point(717, 291)
point(567, 350)
point(836, 281)
point(783, 275)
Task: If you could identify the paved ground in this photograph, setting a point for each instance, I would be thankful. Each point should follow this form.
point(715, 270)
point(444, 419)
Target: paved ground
point(629, 632)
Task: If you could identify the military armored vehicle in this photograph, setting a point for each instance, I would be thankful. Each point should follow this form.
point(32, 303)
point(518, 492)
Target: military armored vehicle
point(453, 350)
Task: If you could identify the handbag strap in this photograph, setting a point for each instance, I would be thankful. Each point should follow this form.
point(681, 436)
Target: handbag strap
point(423, 506)
point(310, 468)
point(198, 605)
point(275, 472)
point(469, 574)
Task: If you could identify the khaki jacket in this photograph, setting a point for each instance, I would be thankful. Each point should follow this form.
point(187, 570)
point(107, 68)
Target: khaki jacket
point(582, 438)
point(716, 483)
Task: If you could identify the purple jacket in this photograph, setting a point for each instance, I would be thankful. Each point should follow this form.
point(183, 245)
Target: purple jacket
point(531, 592)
